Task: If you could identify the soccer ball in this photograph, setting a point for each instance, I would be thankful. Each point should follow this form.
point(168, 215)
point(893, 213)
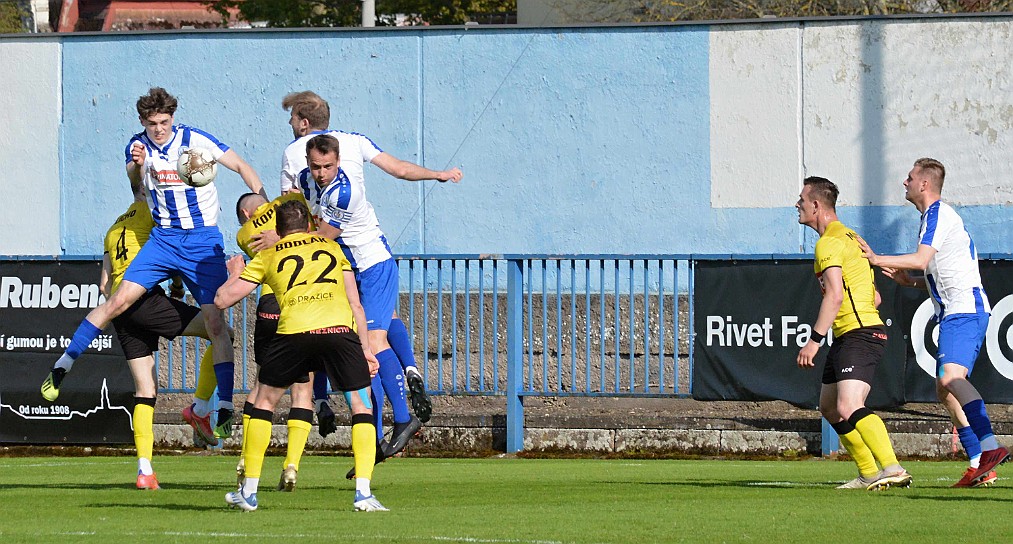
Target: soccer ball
point(196, 166)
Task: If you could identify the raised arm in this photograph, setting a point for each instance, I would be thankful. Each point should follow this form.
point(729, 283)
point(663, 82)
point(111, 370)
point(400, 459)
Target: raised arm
point(137, 154)
point(234, 162)
point(412, 172)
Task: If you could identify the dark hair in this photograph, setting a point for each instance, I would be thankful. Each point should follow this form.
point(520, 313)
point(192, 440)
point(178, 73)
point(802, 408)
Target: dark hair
point(240, 207)
point(935, 168)
point(293, 216)
point(323, 143)
point(309, 106)
point(158, 100)
point(823, 190)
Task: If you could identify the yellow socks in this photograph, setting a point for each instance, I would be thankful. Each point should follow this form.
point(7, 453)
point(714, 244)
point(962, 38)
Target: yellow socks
point(859, 451)
point(874, 434)
point(256, 445)
point(363, 444)
point(144, 432)
point(300, 421)
point(206, 380)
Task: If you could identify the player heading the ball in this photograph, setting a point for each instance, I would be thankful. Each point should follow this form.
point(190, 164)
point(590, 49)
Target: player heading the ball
point(185, 242)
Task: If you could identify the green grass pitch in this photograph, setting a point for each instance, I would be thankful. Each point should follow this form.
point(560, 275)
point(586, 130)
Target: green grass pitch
point(510, 501)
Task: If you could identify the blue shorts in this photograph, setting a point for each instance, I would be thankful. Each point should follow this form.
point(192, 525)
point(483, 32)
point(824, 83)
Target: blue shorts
point(960, 339)
point(378, 290)
point(196, 255)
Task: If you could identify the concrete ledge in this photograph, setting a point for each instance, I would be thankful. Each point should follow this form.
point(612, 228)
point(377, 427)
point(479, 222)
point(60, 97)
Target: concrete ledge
point(472, 441)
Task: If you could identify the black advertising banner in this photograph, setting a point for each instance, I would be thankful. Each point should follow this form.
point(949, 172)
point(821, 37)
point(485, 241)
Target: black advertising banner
point(41, 305)
point(751, 319)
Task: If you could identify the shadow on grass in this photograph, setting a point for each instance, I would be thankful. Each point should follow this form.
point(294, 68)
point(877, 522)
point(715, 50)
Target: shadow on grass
point(172, 486)
point(159, 506)
point(959, 495)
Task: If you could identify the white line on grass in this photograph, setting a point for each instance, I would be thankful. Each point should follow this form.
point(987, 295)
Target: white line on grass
point(786, 484)
point(214, 534)
point(57, 464)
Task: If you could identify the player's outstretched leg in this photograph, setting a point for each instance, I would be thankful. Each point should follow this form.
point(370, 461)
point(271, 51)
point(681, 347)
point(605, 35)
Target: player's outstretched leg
point(86, 332)
point(401, 343)
point(392, 380)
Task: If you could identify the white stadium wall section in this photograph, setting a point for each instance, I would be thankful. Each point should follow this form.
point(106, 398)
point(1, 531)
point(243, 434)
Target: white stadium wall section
point(31, 166)
point(652, 139)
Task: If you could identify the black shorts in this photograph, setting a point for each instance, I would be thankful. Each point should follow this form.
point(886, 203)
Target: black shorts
point(336, 350)
point(269, 346)
point(855, 355)
point(154, 315)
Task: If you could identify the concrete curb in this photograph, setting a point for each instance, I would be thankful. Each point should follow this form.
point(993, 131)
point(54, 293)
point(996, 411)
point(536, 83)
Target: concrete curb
point(468, 441)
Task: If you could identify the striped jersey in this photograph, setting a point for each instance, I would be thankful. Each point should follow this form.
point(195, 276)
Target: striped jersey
point(838, 246)
point(124, 239)
point(952, 277)
point(343, 205)
point(354, 151)
point(173, 203)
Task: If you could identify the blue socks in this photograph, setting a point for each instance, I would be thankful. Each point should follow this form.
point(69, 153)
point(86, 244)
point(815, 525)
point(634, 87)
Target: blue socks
point(970, 443)
point(401, 343)
point(83, 336)
point(320, 386)
point(225, 373)
point(377, 392)
point(392, 377)
point(978, 419)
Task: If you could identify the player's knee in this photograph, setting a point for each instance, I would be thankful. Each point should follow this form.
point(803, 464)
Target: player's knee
point(359, 401)
point(946, 382)
point(941, 391)
point(829, 411)
point(216, 325)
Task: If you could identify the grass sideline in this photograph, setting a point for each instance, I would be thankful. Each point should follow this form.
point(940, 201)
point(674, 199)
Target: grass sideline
point(515, 501)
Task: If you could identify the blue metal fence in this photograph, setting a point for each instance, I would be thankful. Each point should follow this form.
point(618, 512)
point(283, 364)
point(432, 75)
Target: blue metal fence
point(524, 325)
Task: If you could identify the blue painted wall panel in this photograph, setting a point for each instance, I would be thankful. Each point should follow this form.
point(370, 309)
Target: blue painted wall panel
point(569, 140)
point(594, 140)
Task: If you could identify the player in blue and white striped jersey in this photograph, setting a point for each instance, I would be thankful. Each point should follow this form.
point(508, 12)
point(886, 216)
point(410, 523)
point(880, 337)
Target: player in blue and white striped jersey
point(186, 241)
point(947, 255)
point(367, 249)
point(364, 241)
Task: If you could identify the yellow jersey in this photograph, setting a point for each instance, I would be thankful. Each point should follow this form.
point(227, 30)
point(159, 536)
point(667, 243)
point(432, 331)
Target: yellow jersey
point(124, 239)
point(263, 220)
point(305, 272)
point(839, 247)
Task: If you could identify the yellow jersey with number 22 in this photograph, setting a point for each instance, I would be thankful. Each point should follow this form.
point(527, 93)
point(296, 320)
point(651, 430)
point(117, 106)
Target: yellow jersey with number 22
point(306, 273)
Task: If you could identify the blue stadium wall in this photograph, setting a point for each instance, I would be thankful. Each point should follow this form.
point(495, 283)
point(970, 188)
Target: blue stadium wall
point(651, 139)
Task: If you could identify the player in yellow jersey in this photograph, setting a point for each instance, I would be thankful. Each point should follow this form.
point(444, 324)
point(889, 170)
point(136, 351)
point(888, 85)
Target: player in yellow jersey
point(323, 327)
point(139, 328)
point(256, 215)
point(849, 305)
